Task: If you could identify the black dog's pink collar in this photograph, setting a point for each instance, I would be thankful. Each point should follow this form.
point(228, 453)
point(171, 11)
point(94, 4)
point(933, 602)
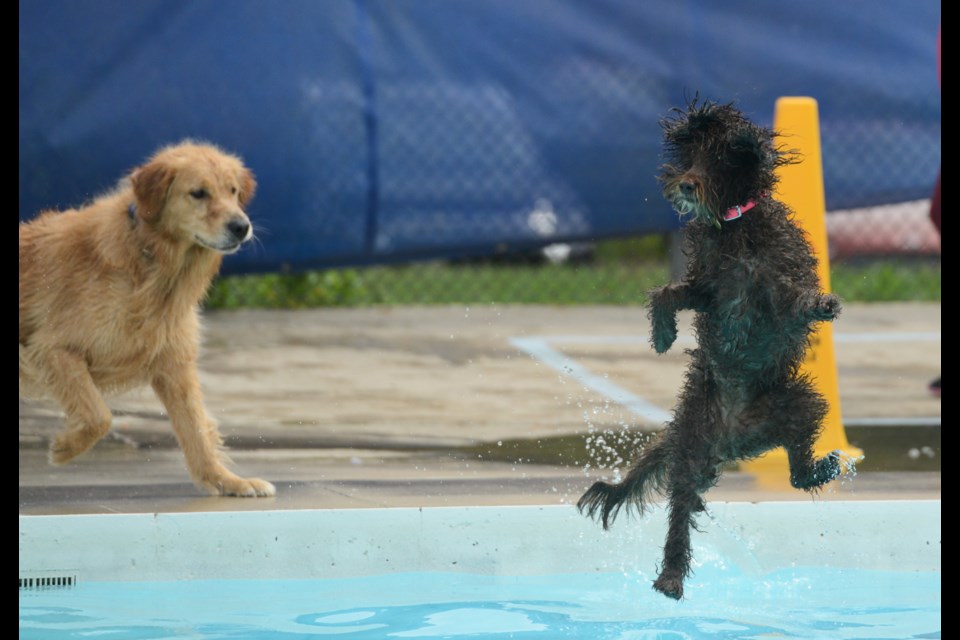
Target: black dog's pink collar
point(735, 212)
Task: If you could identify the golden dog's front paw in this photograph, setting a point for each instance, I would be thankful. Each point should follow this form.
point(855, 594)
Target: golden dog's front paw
point(261, 488)
point(68, 446)
point(236, 486)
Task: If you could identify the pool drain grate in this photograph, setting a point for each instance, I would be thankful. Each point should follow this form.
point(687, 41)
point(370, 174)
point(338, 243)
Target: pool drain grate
point(48, 582)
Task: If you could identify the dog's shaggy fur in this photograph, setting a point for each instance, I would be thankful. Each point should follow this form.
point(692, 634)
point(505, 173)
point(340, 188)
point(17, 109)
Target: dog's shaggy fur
point(751, 281)
point(109, 299)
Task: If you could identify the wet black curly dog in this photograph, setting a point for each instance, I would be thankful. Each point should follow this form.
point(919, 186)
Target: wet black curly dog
point(751, 281)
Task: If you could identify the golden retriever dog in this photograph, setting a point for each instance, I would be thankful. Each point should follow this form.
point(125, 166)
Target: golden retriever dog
point(110, 299)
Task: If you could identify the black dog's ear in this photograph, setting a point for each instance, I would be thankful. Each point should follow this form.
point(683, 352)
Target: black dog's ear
point(755, 148)
point(751, 151)
point(151, 184)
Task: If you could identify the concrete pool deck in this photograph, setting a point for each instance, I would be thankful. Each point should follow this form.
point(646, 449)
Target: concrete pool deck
point(450, 406)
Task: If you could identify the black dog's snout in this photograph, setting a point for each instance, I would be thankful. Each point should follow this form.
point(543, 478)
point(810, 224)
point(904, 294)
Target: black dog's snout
point(688, 187)
point(239, 229)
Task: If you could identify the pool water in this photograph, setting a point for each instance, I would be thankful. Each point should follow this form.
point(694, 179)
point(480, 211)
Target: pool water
point(831, 570)
point(721, 602)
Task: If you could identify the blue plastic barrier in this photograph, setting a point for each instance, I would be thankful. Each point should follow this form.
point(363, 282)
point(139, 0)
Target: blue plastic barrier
point(392, 130)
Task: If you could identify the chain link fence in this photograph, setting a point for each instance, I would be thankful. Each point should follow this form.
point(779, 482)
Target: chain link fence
point(891, 262)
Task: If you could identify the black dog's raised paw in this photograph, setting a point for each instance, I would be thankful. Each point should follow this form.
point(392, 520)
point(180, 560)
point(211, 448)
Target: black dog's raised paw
point(664, 332)
point(828, 307)
point(829, 467)
point(824, 470)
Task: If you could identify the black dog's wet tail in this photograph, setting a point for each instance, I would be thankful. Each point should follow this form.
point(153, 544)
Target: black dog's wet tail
point(645, 478)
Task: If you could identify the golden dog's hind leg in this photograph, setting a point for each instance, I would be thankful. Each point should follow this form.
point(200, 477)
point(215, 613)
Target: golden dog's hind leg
point(88, 417)
point(179, 390)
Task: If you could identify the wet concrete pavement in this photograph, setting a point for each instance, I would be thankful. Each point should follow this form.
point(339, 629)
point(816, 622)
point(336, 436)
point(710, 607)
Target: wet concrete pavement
point(478, 405)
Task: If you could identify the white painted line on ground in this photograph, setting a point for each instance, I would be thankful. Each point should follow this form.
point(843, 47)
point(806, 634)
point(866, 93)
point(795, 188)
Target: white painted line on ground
point(539, 348)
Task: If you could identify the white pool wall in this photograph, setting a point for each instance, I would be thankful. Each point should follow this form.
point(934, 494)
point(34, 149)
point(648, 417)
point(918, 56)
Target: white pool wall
point(513, 540)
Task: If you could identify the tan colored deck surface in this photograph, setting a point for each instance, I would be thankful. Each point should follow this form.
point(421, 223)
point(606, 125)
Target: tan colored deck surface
point(373, 408)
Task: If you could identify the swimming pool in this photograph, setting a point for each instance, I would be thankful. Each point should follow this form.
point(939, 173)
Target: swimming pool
point(842, 569)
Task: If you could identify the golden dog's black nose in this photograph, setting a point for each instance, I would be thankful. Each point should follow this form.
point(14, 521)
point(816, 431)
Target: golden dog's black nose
point(239, 229)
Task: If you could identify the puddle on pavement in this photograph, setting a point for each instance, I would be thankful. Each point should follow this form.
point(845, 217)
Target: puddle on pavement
point(916, 448)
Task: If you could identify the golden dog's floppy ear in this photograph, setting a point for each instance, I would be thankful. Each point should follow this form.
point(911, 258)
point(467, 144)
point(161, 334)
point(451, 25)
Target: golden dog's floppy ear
point(151, 183)
point(248, 186)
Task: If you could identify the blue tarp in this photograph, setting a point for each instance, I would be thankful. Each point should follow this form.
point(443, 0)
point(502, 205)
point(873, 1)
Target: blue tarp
point(390, 130)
